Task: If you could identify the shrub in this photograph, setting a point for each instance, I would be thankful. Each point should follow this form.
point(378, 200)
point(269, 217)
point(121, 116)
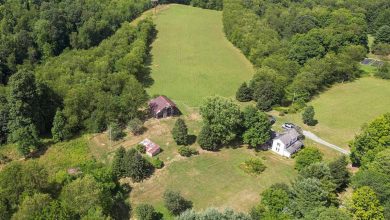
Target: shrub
point(175, 203)
point(382, 49)
point(115, 132)
point(157, 163)
point(4, 159)
point(307, 156)
point(187, 151)
point(180, 132)
point(140, 148)
point(244, 93)
point(136, 126)
point(207, 139)
point(254, 166)
point(383, 72)
point(145, 212)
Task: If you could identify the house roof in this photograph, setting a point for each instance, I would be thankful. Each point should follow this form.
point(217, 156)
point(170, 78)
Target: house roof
point(150, 146)
point(159, 103)
point(294, 147)
point(289, 136)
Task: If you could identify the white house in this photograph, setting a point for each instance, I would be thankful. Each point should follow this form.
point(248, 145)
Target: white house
point(287, 143)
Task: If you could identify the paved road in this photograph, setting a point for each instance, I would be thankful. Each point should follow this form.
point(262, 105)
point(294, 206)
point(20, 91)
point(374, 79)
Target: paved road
point(315, 138)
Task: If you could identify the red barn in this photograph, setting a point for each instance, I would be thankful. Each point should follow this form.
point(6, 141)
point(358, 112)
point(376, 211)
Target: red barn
point(162, 107)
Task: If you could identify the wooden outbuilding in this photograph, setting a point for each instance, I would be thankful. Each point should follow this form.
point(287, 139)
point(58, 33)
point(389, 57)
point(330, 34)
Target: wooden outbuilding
point(162, 107)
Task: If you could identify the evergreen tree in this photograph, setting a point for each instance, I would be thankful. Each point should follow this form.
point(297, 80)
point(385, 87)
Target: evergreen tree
point(115, 132)
point(308, 116)
point(59, 130)
point(180, 132)
point(136, 167)
point(118, 168)
point(207, 139)
point(3, 120)
point(365, 204)
point(244, 93)
point(339, 172)
point(22, 103)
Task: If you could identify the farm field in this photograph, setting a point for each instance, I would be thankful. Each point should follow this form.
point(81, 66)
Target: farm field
point(192, 59)
point(344, 108)
point(215, 180)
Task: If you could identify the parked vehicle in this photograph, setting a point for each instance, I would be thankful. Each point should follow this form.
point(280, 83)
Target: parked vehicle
point(288, 125)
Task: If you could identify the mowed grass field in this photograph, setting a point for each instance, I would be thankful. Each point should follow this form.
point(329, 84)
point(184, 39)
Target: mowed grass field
point(192, 59)
point(343, 109)
point(214, 179)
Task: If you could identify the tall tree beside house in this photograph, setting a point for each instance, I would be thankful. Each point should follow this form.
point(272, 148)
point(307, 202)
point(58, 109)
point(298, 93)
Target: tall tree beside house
point(365, 205)
point(135, 166)
point(244, 93)
point(59, 130)
point(222, 117)
point(180, 132)
point(308, 116)
point(257, 127)
point(22, 101)
point(307, 156)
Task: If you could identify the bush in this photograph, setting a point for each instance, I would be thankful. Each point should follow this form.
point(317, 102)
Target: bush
point(383, 72)
point(244, 93)
point(115, 132)
point(254, 166)
point(140, 148)
point(157, 163)
point(307, 156)
point(145, 212)
point(136, 126)
point(175, 203)
point(207, 140)
point(4, 159)
point(382, 49)
point(187, 151)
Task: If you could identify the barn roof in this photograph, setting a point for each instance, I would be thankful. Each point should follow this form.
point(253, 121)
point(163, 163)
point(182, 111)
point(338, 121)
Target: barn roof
point(159, 103)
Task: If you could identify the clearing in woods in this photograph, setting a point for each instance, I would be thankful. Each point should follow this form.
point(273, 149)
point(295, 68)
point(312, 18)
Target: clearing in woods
point(192, 59)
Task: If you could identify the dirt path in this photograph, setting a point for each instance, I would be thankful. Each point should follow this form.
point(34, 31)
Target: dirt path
point(315, 138)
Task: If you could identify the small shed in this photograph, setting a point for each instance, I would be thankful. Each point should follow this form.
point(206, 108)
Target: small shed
point(162, 107)
point(151, 148)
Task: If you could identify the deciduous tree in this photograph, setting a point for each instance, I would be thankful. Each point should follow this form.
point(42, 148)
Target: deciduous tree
point(180, 132)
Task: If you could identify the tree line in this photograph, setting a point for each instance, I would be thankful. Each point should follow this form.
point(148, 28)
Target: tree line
point(92, 192)
point(299, 47)
point(32, 31)
point(80, 90)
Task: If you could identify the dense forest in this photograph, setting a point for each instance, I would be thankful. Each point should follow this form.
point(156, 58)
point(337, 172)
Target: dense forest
point(301, 47)
point(31, 31)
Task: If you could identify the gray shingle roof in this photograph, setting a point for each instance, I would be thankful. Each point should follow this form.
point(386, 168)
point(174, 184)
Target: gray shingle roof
point(289, 137)
point(294, 147)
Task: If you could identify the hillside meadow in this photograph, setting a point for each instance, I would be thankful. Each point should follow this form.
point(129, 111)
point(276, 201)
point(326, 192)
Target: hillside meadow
point(192, 59)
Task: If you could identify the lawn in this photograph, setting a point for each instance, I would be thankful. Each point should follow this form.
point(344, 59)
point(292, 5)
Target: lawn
point(192, 59)
point(344, 108)
point(214, 179)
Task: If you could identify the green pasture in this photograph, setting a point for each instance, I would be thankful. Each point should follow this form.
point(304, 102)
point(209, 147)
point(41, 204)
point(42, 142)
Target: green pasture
point(192, 59)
